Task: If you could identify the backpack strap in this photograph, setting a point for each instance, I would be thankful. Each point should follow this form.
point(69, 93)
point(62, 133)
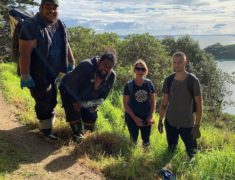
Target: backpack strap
point(190, 82)
point(149, 84)
point(130, 85)
point(169, 81)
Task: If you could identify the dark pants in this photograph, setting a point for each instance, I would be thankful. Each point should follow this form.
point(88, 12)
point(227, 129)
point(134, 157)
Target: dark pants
point(87, 115)
point(173, 133)
point(45, 101)
point(134, 130)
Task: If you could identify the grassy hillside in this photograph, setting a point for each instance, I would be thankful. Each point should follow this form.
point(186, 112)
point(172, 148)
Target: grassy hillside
point(109, 150)
point(222, 52)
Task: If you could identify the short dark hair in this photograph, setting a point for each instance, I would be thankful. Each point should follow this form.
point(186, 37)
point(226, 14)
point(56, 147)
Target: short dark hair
point(179, 54)
point(108, 56)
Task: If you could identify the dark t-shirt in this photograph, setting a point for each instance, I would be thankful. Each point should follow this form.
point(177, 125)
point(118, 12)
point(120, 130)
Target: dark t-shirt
point(140, 99)
point(55, 32)
point(179, 109)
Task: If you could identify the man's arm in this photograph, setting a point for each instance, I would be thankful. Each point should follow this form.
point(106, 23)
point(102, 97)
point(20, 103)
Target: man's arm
point(198, 100)
point(25, 49)
point(163, 106)
point(162, 111)
point(152, 107)
point(70, 56)
point(195, 131)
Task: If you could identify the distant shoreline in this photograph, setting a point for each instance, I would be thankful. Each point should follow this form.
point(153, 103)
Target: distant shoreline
point(221, 60)
point(222, 52)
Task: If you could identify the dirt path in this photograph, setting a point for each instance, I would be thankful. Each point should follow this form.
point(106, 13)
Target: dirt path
point(44, 160)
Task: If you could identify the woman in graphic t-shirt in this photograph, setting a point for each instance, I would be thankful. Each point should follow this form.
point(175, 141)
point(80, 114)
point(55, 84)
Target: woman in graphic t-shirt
point(139, 103)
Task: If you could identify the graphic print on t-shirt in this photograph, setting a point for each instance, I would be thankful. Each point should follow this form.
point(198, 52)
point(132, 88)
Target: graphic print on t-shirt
point(141, 96)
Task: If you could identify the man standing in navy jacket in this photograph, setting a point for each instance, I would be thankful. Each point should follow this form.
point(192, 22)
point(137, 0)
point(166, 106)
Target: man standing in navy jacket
point(44, 53)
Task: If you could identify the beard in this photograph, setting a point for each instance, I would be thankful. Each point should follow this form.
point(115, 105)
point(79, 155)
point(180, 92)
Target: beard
point(52, 20)
point(49, 18)
point(102, 74)
point(178, 70)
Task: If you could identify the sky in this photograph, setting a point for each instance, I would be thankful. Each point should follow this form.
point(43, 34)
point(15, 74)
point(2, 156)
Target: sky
point(162, 17)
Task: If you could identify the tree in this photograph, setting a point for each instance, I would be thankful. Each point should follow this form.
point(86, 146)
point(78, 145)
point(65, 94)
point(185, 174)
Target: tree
point(86, 43)
point(4, 25)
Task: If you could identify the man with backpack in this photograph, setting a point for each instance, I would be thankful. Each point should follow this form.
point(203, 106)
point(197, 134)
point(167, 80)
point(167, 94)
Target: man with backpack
point(44, 53)
point(180, 91)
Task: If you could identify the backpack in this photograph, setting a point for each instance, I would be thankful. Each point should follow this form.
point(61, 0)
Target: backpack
point(190, 80)
point(130, 85)
point(17, 17)
point(166, 174)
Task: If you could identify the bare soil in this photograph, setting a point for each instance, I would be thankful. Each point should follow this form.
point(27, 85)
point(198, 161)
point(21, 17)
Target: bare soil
point(43, 159)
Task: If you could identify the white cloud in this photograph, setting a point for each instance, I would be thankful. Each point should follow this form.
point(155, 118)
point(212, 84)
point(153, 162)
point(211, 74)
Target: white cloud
point(156, 17)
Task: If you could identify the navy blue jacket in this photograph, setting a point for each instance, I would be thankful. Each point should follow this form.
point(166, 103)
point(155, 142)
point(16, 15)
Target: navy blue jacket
point(35, 28)
point(79, 84)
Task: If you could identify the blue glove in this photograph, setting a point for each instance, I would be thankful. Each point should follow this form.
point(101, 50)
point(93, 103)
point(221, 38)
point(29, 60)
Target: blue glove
point(26, 81)
point(70, 67)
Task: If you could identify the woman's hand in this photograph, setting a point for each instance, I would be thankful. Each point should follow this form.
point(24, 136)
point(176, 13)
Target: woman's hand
point(139, 122)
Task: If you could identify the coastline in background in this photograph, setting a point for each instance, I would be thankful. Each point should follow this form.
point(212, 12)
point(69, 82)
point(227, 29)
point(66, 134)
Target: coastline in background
point(207, 40)
point(229, 67)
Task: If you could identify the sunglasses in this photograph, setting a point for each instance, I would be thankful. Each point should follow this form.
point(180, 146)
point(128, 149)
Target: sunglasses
point(140, 69)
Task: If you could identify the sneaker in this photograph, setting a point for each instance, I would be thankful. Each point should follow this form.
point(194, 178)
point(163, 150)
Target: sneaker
point(47, 133)
point(146, 145)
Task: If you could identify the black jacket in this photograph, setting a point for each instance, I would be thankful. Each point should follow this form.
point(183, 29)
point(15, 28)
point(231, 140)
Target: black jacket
point(79, 85)
point(39, 67)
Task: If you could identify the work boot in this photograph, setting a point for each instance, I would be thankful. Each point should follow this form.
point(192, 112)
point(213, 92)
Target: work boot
point(45, 127)
point(77, 138)
point(77, 131)
point(47, 133)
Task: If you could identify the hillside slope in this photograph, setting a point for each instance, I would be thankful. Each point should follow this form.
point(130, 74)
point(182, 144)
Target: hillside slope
point(24, 155)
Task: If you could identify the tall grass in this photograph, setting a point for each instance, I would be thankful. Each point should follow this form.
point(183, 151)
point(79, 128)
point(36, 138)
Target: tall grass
point(109, 150)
